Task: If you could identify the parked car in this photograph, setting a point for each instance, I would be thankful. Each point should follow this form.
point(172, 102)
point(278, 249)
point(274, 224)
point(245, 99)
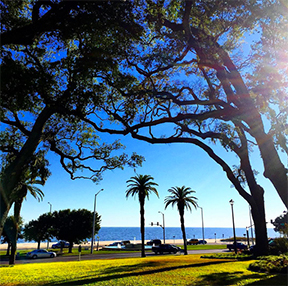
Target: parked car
point(154, 241)
point(40, 253)
point(125, 242)
point(65, 244)
point(116, 243)
point(202, 241)
point(192, 241)
point(170, 248)
point(239, 245)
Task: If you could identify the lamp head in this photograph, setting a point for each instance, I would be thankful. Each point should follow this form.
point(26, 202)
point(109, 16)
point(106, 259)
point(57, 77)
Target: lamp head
point(231, 202)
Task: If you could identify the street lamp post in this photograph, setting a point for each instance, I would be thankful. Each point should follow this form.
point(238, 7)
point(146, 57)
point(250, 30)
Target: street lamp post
point(50, 213)
point(94, 215)
point(163, 225)
point(235, 245)
point(202, 223)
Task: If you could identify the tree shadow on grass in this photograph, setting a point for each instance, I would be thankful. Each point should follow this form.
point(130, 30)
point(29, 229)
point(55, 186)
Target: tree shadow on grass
point(227, 278)
point(111, 272)
point(279, 280)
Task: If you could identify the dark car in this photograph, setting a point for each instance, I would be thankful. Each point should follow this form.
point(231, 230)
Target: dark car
point(64, 244)
point(202, 241)
point(116, 243)
point(193, 241)
point(239, 245)
point(170, 248)
point(154, 242)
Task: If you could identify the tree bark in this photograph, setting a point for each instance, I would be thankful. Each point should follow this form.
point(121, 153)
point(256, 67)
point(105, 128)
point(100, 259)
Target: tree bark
point(181, 213)
point(258, 214)
point(142, 223)
point(13, 253)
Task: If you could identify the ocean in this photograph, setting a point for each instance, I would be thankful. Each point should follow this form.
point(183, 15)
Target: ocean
point(133, 233)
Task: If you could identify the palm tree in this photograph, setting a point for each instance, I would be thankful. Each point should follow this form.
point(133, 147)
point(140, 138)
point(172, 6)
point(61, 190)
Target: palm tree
point(183, 198)
point(22, 192)
point(141, 185)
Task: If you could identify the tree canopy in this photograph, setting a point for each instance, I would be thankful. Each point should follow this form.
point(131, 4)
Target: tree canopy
point(40, 229)
point(200, 72)
point(52, 53)
point(197, 83)
point(281, 224)
point(74, 226)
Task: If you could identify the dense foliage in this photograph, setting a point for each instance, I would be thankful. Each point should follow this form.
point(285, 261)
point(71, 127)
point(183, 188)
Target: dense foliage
point(11, 232)
point(281, 224)
point(74, 226)
point(271, 264)
point(52, 53)
point(40, 229)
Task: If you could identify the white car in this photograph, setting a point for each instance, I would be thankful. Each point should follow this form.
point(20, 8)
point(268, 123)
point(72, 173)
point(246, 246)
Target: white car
point(40, 253)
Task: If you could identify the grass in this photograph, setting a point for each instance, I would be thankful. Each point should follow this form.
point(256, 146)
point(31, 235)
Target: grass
point(160, 270)
point(205, 246)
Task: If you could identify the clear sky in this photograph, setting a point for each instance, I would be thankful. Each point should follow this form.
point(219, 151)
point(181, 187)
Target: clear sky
point(170, 165)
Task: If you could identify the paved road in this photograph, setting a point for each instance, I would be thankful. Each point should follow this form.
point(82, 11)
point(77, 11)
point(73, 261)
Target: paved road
point(105, 256)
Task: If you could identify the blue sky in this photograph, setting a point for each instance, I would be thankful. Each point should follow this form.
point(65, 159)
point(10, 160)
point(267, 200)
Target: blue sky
point(170, 165)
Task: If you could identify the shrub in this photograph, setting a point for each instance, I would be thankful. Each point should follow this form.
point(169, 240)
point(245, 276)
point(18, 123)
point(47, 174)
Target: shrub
point(279, 245)
point(271, 264)
point(239, 256)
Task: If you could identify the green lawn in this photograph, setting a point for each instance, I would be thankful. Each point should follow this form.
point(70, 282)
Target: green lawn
point(157, 270)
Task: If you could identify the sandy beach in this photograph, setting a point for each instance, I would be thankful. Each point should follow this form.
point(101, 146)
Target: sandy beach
point(33, 245)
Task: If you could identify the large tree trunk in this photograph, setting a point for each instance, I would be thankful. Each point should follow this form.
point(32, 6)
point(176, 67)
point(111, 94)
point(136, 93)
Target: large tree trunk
point(13, 172)
point(181, 213)
point(274, 170)
point(142, 223)
point(13, 253)
point(260, 226)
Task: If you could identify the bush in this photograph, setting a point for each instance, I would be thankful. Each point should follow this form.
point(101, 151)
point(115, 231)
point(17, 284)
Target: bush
point(239, 256)
point(271, 264)
point(279, 245)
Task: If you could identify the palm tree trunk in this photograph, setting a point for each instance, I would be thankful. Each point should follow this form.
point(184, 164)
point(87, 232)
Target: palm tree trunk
point(181, 212)
point(142, 224)
point(17, 208)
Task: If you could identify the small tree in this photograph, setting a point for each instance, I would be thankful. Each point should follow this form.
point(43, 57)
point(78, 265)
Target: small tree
point(281, 224)
point(40, 229)
point(141, 185)
point(74, 226)
point(182, 197)
point(9, 232)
